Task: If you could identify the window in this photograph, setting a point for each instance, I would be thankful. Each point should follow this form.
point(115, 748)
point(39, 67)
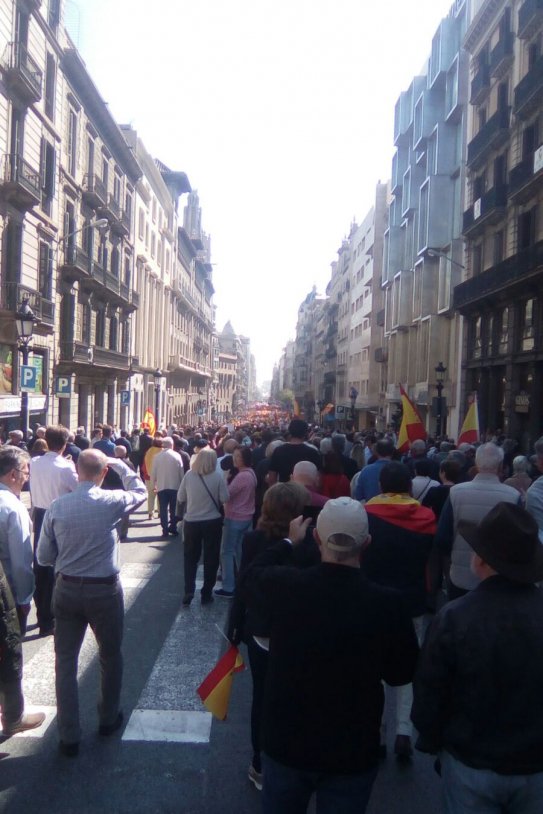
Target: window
point(141, 224)
point(45, 270)
point(476, 338)
point(527, 320)
point(117, 187)
point(105, 172)
point(127, 274)
point(113, 333)
point(72, 142)
point(50, 86)
point(100, 327)
point(86, 324)
point(115, 261)
point(498, 246)
point(53, 15)
point(153, 244)
point(503, 340)
point(47, 175)
point(527, 229)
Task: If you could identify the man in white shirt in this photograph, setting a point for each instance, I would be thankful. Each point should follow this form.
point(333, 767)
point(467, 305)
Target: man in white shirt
point(51, 476)
point(16, 530)
point(166, 475)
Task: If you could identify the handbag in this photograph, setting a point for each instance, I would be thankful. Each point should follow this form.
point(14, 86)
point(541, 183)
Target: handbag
point(218, 505)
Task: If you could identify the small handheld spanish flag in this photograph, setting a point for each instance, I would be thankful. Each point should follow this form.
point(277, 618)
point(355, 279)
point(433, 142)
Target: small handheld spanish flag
point(470, 432)
point(411, 428)
point(215, 689)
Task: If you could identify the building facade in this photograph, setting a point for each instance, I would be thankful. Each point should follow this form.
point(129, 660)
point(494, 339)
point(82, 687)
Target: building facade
point(502, 296)
point(423, 252)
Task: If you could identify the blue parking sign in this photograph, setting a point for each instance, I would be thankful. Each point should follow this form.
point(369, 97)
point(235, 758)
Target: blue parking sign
point(28, 378)
point(63, 386)
point(125, 398)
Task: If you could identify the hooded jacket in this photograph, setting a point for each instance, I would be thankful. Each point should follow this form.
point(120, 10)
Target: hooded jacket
point(402, 533)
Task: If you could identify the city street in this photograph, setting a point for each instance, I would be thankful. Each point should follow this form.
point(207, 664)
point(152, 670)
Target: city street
point(170, 756)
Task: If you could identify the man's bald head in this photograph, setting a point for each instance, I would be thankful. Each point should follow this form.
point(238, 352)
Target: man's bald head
point(92, 466)
point(306, 473)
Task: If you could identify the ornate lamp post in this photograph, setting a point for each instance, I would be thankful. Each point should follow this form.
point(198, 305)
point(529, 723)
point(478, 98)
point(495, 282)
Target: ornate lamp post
point(157, 376)
point(440, 371)
point(24, 324)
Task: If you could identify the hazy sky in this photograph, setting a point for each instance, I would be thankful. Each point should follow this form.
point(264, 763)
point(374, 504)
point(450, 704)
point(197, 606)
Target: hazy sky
point(281, 114)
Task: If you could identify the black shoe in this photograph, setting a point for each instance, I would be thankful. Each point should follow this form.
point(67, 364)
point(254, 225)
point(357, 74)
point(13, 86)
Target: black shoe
point(109, 729)
point(206, 599)
point(187, 599)
point(173, 532)
point(402, 748)
point(47, 630)
point(68, 749)
point(225, 594)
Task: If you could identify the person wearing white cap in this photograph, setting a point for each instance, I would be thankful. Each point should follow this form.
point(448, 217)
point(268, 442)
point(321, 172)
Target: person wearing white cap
point(334, 638)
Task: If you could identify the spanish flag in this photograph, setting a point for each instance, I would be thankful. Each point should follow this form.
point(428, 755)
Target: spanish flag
point(412, 428)
point(149, 421)
point(470, 432)
point(215, 688)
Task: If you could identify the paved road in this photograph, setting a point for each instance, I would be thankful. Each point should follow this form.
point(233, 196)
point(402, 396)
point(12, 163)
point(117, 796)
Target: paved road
point(171, 756)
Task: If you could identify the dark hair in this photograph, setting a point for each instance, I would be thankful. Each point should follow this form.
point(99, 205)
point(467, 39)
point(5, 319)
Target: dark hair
point(282, 503)
point(298, 428)
point(395, 477)
point(452, 470)
point(56, 437)
point(246, 455)
point(384, 448)
point(106, 431)
point(423, 467)
point(332, 464)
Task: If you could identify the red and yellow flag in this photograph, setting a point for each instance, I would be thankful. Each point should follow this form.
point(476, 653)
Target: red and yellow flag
point(412, 428)
point(470, 432)
point(215, 688)
point(149, 421)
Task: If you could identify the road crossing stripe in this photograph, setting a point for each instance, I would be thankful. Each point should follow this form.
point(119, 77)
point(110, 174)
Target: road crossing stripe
point(168, 709)
point(39, 671)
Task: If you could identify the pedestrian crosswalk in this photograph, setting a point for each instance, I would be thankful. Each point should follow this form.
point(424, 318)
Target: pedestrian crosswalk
point(168, 709)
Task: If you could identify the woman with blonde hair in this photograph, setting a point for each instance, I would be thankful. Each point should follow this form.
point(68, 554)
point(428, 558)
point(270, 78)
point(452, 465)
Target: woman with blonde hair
point(202, 493)
point(282, 503)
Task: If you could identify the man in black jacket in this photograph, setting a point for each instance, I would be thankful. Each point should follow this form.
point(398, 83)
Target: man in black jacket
point(478, 698)
point(334, 637)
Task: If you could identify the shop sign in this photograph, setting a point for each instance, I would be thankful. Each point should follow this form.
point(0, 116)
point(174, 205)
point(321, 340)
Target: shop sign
point(522, 402)
point(12, 405)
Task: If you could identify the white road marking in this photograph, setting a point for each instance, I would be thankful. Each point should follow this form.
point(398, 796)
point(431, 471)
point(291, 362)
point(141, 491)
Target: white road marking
point(168, 726)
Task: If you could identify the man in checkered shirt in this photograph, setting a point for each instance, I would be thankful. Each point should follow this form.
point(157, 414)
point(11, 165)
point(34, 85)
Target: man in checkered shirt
point(79, 537)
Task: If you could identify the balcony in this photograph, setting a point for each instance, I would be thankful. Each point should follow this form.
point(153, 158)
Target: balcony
point(489, 208)
point(508, 276)
point(77, 352)
point(112, 210)
point(76, 262)
point(501, 55)
point(111, 359)
point(20, 183)
point(15, 293)
point(135, 299)
point(491, 136)
point(94, 191)
point(480, 85)
point(21, 74)
point(523, 176)
point(529, 90)
point(381, 356)
point(530, 17)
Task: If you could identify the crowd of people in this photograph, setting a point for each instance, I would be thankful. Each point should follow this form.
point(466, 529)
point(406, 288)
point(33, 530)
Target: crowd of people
point(341, 560)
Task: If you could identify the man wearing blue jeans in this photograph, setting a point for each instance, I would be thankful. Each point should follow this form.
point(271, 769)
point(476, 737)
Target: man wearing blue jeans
point(334, 638)
point(232, 539)
point(478, 702)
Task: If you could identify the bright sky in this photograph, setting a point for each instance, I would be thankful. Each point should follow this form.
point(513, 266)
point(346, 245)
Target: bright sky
point(281, 114)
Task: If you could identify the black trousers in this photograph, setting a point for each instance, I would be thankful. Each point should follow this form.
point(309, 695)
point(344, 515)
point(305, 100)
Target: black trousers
point(167, 499)
point(258, 662)
point(45, 580)
point(197, 536)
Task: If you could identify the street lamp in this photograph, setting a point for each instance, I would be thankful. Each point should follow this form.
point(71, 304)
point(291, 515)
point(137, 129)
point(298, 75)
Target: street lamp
point(157, 376)
point(24, 324)
point(440, 253)
point(353, 395)
point(440, 371)
point(100, 223)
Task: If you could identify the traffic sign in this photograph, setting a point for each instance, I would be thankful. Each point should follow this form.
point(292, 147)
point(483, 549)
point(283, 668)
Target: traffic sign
point(28, 378)
point(125, 398)
point(63, 387)
point(199, 411)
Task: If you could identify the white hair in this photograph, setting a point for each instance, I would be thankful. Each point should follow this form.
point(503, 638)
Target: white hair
point(325, 446)
point(305, 472)
point(167, 443)
point(489, 458)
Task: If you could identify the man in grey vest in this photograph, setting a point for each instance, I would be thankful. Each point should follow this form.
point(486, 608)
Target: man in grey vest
point(470, 502)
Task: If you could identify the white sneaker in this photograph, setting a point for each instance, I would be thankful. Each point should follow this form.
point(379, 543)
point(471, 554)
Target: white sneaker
point(255, 777)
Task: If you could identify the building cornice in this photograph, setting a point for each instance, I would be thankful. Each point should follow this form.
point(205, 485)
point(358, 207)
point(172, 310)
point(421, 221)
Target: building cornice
point(97, 110)
point(481, 23)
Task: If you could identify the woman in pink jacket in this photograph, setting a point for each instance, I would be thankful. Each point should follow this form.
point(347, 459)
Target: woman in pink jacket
point(238, 518)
